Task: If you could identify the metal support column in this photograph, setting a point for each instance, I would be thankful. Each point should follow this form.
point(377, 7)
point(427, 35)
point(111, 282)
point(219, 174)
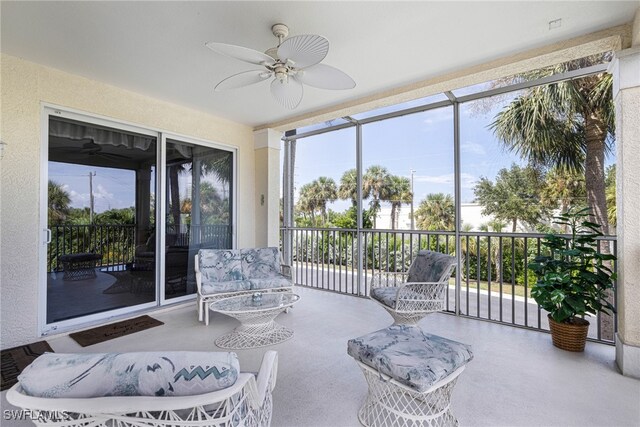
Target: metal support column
point(458, 195)
point(359, 227)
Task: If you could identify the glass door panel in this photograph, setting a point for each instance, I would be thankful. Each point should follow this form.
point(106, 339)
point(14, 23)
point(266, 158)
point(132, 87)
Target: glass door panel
point(198, 209)
point(101, 215)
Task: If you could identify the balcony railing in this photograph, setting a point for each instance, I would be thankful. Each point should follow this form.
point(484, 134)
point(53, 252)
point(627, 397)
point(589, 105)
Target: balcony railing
point(493, 282)
point(117, 242)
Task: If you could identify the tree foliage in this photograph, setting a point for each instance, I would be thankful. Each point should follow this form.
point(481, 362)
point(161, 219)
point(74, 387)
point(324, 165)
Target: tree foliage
point(58, 203)
point(436, 212)
point(513, 197)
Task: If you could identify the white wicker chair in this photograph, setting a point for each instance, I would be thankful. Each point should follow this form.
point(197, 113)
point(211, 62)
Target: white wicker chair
point(246, 403)
point(410, 296)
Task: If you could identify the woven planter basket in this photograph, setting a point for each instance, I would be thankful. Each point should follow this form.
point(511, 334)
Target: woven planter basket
point(569, 336)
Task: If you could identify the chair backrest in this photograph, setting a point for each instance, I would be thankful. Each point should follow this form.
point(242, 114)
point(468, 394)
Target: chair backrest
point(430, 266)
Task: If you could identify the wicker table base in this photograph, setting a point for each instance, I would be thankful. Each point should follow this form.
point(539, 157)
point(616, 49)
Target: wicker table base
point(257, 319)
point(252, 336)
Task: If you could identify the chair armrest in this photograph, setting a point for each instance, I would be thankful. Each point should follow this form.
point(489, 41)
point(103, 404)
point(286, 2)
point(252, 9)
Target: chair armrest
point(385, 279)
point(266, 379)
point(286, 270)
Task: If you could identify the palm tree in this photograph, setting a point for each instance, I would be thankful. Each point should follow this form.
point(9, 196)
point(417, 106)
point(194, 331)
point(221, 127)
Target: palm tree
point(325, 191)
point(314, 197)
point(568, 125)
point(436, 212)
point(58, 204)
point(398, 191)
point(374, 183)
point(307, 202)
point(348, 188)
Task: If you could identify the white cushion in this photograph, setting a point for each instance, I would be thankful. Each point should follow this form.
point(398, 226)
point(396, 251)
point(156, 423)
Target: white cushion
point(168, 373)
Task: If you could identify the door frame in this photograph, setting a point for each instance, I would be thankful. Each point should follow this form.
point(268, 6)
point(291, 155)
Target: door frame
point(49, 109)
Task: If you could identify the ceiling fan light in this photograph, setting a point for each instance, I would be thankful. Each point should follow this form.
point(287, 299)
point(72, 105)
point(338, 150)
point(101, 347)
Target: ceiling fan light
point(281, 76)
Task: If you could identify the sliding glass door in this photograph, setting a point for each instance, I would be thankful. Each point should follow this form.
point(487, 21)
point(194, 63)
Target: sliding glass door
point(127, 209)
point(101, 217)
point(198, 211)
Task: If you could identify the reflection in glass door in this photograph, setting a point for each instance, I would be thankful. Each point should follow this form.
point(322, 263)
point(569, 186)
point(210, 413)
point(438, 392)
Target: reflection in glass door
point(101, 219)
point(198, 212)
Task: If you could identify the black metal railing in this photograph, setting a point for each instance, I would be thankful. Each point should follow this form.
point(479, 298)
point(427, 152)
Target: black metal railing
point(494, 282)
point(117, 242)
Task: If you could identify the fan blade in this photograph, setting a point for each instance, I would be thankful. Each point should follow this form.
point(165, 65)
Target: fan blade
point(288, 94)
point(325, 77)
point(242, 53)
point(246, 78)
point(304, 51)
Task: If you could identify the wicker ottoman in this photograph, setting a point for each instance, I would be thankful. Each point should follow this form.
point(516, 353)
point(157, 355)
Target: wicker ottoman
point(80, 266)
point(411, 375)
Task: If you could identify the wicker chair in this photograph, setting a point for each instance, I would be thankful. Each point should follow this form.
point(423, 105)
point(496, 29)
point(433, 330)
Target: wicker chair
point(248, 403)
point(410, 296)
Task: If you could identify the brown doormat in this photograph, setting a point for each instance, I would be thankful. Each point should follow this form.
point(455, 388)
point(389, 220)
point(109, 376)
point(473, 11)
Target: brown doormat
point(14, 360)
point(114, 330)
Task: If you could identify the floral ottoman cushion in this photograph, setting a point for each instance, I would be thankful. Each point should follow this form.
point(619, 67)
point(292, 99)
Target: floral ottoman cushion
point(410, 356)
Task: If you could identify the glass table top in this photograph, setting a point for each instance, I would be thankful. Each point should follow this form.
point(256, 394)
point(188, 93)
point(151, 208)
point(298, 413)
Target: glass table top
point(255, 302)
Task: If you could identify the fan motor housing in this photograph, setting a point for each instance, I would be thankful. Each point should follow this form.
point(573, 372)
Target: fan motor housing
point(280, 31)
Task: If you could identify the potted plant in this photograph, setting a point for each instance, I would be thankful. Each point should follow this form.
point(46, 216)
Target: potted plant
point(572, 281)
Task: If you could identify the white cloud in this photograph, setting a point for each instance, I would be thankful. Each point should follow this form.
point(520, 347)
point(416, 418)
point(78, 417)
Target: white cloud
point(473, 148)
point(101, 193)
point(439, 115)
point(466, 180)
point(78, 199)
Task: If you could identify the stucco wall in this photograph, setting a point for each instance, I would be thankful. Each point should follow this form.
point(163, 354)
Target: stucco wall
point(25, 86)
point(628, 103)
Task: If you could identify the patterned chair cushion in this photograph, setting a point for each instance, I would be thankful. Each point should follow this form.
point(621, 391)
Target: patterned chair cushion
point(171, 373)
point(209, 288)
point(220, 265)
point(430, 266)
point(279, 281)
point(409, 355)
point(260, 263)
point(386, 296)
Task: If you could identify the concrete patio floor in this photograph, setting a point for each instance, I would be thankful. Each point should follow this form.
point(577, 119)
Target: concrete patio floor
point(517, 377)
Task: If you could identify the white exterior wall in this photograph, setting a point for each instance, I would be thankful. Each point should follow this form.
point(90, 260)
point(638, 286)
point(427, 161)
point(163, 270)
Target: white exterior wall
point(626, 92)
point(267, 173)
point(471, 214)
point(25, 86)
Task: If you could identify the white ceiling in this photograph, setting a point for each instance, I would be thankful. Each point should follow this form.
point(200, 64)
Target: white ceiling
point(157, 48)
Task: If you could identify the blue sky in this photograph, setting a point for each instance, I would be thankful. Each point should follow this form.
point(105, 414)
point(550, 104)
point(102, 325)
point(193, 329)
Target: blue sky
point(112, 188)
point(422, 142)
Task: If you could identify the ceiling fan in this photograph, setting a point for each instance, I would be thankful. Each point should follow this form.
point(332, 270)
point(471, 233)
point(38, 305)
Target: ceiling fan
point(294, 62)
point(90, 149)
